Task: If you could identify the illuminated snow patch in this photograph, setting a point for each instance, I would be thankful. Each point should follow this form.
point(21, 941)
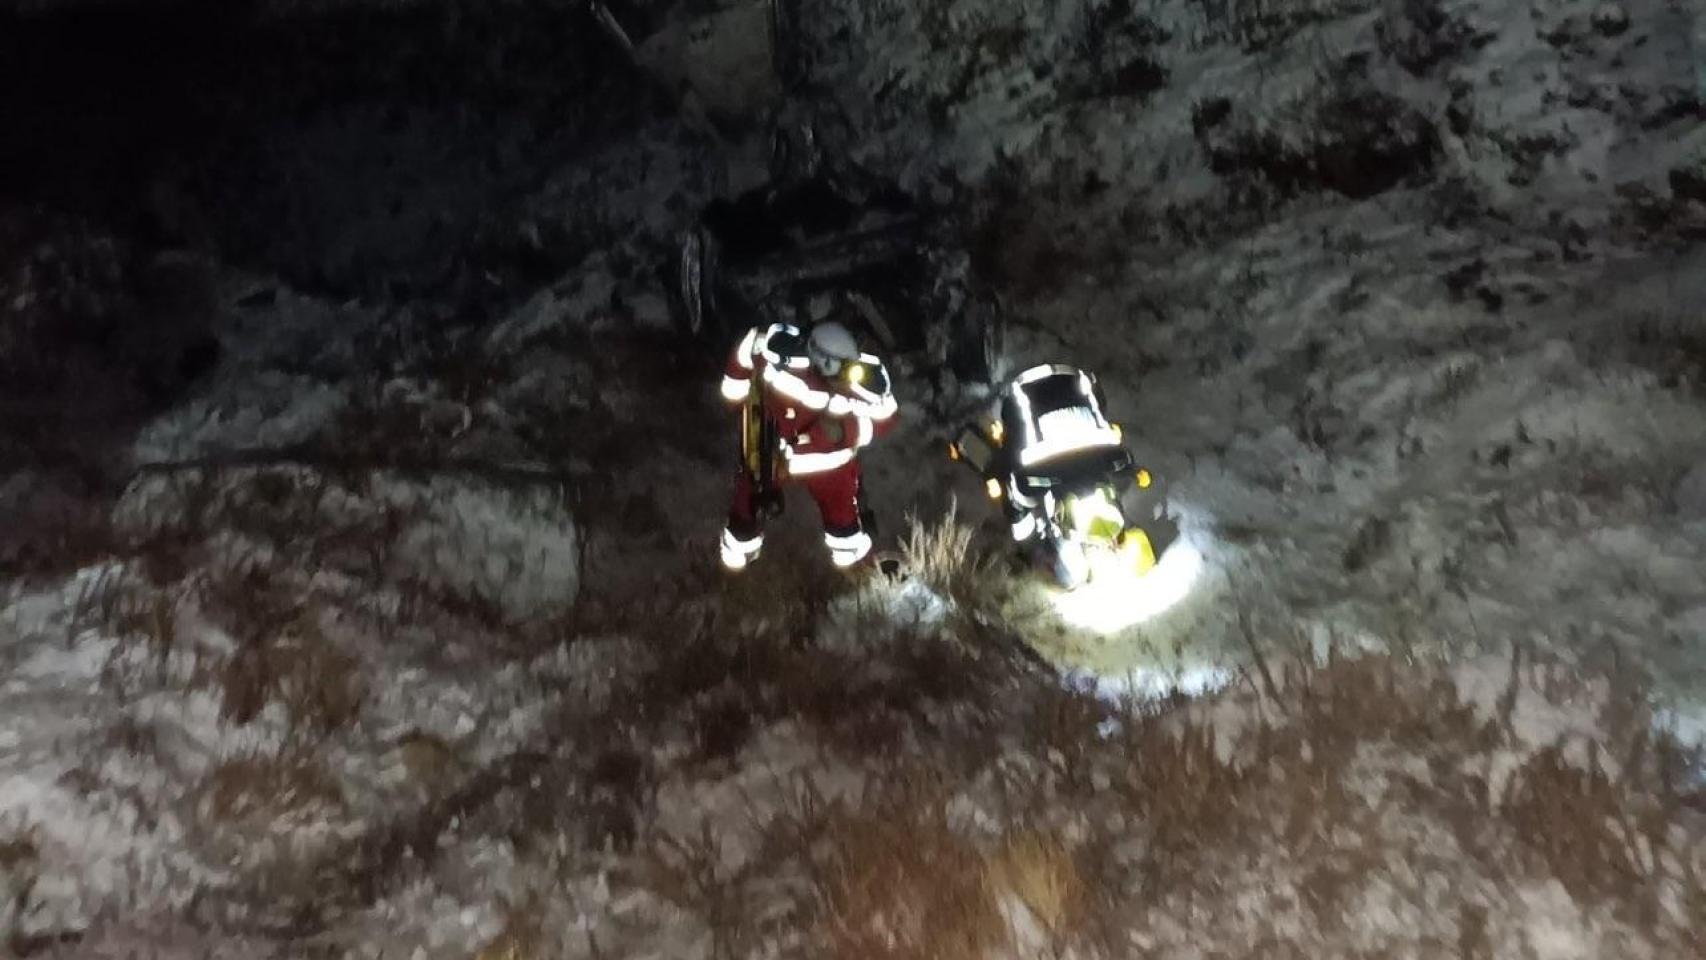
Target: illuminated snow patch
point(1109, 604)
point(1150, 683)
point(881, 607)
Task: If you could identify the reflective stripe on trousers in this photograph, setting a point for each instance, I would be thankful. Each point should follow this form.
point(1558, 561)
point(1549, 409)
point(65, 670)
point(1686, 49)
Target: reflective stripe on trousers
point(1025, 527)
point(848, 549)
point(737, 553)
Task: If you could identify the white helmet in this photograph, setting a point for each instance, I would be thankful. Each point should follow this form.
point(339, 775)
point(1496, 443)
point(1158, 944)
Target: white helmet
point(830, 347)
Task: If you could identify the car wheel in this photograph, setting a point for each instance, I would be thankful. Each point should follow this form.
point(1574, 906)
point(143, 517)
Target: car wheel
point(977, 343)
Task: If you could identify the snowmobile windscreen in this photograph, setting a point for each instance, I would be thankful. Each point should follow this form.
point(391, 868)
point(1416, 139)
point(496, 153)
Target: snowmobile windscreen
point(1054, 414)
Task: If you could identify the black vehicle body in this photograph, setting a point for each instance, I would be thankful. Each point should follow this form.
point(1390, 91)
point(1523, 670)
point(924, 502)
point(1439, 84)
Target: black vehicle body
point(822, 240)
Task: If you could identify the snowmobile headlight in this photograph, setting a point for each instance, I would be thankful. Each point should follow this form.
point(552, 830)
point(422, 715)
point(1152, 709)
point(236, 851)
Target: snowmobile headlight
point(1119, 432)
point(953, 451)
point(856, 373)
point(996, 432)
point(1144, 479)
point(993, 486)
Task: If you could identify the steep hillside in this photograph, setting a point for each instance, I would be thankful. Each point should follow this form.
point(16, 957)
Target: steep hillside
point(359, 496)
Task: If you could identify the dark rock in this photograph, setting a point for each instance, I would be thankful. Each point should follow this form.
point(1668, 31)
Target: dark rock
point(1209, 114)
point(1459, 118)
point(1677, 104)
point(1424, 35)
point(1689, 182)
point(1366, 142)
point(1610, 20)
point(1462, 278)
point(1373, 142)
point(1119, 57)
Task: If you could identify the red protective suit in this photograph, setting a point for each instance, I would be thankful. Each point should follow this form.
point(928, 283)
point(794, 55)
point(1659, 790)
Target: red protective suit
point(822, 423)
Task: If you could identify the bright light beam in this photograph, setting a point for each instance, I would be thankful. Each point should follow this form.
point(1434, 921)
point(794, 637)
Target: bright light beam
point(1109, 604)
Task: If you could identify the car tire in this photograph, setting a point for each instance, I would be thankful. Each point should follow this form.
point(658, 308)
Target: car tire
point(976, 343)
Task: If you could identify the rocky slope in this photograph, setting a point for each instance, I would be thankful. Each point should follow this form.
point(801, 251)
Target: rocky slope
point(359, 597)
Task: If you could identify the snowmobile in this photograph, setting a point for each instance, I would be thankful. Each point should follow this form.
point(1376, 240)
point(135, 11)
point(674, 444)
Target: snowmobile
point(1074, 497)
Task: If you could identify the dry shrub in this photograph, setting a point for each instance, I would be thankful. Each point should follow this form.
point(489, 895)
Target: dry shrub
point(897, 881)
point(18, 851)
point(1337, 708)
point(319, 685)
point(1574, 825)
point(789, 588)
point(1187, 796)
point(522, 937)
point(893, 878)
point(1038, 868)
point(945, 558)
point(263, 790)
point(432, 763)
point(692, 873)
point(50, 533)
point(282, 656)
point(508, 946)
point(941, 555)
point(1284, 780)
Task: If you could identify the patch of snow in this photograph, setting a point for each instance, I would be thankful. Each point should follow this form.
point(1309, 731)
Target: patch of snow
point(517, 549)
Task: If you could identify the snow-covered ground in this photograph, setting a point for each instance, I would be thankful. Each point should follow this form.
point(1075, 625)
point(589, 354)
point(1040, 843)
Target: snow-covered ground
point(405, 639)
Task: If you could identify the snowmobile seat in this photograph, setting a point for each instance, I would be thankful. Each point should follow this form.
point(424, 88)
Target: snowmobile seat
point(1073, 475)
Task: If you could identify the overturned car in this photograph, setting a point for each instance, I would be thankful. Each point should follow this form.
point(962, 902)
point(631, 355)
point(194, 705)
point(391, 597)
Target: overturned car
point(822, 236)
point(824, 239)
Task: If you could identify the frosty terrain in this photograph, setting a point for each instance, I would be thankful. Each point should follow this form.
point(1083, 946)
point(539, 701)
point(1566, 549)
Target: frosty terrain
point(405, 639)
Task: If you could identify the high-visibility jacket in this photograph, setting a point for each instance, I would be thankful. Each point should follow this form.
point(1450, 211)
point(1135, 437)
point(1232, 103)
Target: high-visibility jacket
point(822, 421)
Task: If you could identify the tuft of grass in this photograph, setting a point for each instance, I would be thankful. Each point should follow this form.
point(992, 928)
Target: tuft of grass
point(1575, 825)
point(944, 557)
point(320, 686)
point(432, 763)
point(260, 791)
point(940, 554)
point(1040, 870)
point(283, 656)
point(522, 937)
point(694, 874)
point(895, 881)
point(18, 851)
point(1187, 796)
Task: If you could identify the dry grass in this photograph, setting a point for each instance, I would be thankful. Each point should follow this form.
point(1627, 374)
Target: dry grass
point(892, 874)
point(1040, 870)
point(18, 851)
point(261, 791)
point(1185, 794)
point(898, 883)
point(693, 873)
point(432, 763)
point(788, 590)
point(521, 938)
point(320, 686)
point(941, 556)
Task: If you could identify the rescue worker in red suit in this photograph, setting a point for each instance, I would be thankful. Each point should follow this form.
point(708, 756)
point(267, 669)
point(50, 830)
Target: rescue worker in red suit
point(828, 401)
